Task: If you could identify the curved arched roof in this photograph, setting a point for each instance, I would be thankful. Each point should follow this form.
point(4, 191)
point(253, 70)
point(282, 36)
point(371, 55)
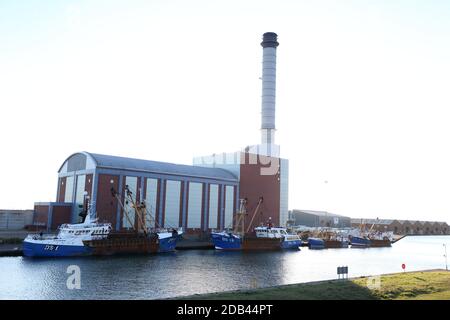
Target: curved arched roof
point(122, 163)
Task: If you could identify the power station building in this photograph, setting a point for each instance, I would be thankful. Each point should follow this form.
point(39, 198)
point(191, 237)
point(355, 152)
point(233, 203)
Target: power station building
point(198, 198)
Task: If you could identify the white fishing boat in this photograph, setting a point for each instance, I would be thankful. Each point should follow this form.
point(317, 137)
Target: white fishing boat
point(68, 241)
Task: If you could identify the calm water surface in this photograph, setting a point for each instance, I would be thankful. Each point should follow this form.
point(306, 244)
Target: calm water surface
point(203, 271)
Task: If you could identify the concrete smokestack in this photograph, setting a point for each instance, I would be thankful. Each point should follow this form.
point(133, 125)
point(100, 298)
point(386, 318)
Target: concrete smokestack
point(269, 45)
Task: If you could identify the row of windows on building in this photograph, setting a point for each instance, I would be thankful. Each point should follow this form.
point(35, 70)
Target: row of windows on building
point(77, 197)
point(172, 202)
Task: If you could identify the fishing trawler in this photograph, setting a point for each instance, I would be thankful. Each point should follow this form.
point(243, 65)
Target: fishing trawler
point(141, 239)
point(370, 238)
point(265, 238)
point(93, 238)
point(69, 240)
point(327, 239)
point(370, 241)
point(316, 243)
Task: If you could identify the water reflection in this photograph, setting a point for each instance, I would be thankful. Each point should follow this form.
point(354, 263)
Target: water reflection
point(191, 272)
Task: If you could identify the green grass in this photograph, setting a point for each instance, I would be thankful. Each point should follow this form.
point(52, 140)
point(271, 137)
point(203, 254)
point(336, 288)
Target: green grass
point(414, 285)
point(424, 285)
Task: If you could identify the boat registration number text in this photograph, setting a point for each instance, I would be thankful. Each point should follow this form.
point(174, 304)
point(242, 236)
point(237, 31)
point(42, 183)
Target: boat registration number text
point(50, 247)
point(227, 239)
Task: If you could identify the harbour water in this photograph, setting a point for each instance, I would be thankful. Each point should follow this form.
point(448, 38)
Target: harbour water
point(203, 271)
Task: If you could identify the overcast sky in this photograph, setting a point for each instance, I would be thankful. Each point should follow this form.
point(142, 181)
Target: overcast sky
point(362, 94)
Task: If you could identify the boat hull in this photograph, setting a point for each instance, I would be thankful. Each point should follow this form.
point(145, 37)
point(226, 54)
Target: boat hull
point(168, 244)
point(223, 241)
point(264, 244)
point(117, 246)
point(131, 243)
point(316, 243)
point(291, 244)
point(379, 243)
point(358, 242)
point(336, 244)
point(33, 249)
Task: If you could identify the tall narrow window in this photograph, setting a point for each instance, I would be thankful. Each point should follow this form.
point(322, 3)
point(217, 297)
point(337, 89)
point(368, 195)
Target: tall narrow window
point(150, 202)
point(79, 197)
point(172, 209)
point(213, 206)
point(68, 196)
point(229, 202)
point(195, 205)
point(129, 214)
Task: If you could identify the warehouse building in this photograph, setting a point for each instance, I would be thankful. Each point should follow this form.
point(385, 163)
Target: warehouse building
point(315, 219)
point(404, 226)
point(195, 198)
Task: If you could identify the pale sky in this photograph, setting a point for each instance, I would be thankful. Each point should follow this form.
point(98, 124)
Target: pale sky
point(362, 94)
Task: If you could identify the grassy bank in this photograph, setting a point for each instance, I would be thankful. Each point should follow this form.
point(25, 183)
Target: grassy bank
point(434, 284)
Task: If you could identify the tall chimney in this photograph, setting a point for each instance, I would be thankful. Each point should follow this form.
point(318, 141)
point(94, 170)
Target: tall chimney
point(269, 45)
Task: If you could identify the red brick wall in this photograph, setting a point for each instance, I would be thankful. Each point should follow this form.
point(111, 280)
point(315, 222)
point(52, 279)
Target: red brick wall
point(180, 219)
point(62, 189)
point(106, 205)
point(88, 184)
point(163, 218)
point(205, 220)
point(158, 197)
point(40, 214)
point(219, 209)
point(60, 215)
point(254, 185)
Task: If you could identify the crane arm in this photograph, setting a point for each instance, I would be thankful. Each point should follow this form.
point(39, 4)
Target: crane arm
point(115, 195)
point(254, 213)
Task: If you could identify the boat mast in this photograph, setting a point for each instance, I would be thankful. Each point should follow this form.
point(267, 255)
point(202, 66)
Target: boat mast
point(240, 215)
point(138, 209)
point(116, 195)
point(151, 217)
point(254, 213)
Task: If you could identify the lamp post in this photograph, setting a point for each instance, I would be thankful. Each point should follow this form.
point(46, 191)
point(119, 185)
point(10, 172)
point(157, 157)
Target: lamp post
point(445, 255)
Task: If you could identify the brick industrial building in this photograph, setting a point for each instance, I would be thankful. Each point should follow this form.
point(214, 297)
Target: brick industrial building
point(198, 198)
point(193, 197)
